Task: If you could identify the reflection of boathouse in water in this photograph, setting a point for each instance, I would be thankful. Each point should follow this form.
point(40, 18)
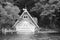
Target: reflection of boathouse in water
point(26, 23)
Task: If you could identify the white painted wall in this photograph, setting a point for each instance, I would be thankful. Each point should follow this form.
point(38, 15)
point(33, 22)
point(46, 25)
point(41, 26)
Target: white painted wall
point(25, 27)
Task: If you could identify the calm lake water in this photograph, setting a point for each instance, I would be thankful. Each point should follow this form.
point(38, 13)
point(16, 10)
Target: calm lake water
point(38, 36)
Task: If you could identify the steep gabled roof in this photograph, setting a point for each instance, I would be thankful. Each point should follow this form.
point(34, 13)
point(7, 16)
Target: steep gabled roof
point(26, 13)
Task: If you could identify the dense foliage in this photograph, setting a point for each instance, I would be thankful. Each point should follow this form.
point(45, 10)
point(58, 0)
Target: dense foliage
point(8, 14)
point(49, 10)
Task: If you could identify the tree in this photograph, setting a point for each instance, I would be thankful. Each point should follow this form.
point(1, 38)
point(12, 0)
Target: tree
point(8, 14)
point(45, 8)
